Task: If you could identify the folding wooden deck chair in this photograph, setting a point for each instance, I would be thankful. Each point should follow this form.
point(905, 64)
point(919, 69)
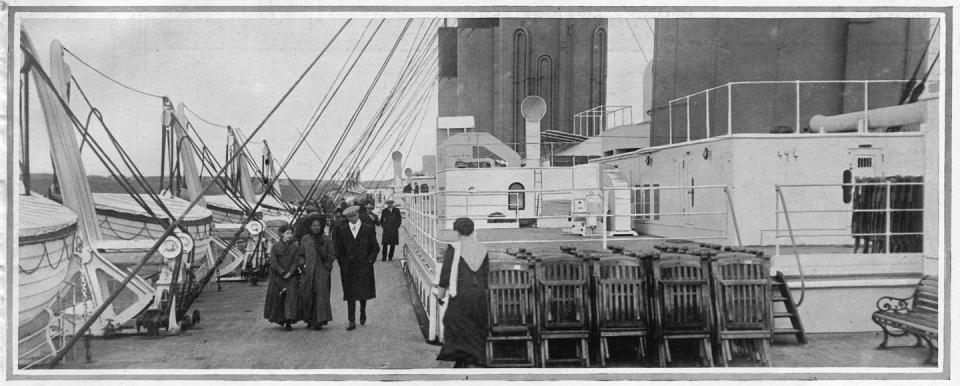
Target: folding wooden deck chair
point(682, 302)
point(512, 314)
point(744, 302)
point(563, 301)
point(623, 302)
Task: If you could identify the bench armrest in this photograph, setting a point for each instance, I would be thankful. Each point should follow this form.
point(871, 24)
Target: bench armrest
point(889, 303)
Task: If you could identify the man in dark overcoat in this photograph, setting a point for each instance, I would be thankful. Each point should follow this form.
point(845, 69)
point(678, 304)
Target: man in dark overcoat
point(357, 249)
point(390, 220)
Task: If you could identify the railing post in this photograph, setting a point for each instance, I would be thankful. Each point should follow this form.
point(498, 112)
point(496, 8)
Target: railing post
point(688, 118)
point(606, 218)
point(888, 227)
point(866, 106)
point(776, 225)
point(797, 129)
point(733, 215)
point(708, 113)
point(670, 118)
point(729, 108)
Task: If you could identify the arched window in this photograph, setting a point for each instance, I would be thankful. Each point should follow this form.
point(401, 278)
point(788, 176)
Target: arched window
point(521, 74)
point(424, 188)
point(516, 201)
point(546, 89)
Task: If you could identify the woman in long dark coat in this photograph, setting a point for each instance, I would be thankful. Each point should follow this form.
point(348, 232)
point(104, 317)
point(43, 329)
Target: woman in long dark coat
point(281, 305)
point(318, 255)
point(464, 278)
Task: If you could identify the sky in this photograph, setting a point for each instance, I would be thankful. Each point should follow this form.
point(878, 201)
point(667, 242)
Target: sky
point(233, 71)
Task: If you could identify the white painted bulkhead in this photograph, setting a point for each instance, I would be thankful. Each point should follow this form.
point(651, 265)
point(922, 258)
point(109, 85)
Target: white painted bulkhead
point(752, 165)
point(841, 287)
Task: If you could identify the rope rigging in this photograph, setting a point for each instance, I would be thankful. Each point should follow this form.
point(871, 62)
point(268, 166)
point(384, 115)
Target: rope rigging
point(208, 161)
point(116, 292)
point(249, 216)
point(97, 149)
point(419, 118)
point(352, 171)
point(353, 118)
point(325, 104)
point(361, 149)
point(373, 123)
point(119, 83)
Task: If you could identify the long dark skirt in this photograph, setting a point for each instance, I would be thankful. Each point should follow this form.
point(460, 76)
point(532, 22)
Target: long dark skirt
point(282, 306)
point(465, 322)
point(315, 299)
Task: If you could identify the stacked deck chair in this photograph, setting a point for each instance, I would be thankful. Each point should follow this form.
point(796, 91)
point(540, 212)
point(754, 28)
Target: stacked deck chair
point(623, 301)
point(743, 301)
point(562, 289)
point(682, 302)
point(512, 314)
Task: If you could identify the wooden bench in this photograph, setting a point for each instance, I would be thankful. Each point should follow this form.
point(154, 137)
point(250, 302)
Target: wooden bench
point(916, 315)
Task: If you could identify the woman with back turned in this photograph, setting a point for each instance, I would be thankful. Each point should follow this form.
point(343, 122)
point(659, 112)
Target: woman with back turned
point(464, 279)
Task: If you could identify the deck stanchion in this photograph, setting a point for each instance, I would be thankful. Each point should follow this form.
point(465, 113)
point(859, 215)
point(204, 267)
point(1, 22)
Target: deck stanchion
point(708, 113)
point(606, 218)
point(797, 129)
point(688, 118)
point(670, 118)
point(888, 218)
point(733, 214)
point(729, 108)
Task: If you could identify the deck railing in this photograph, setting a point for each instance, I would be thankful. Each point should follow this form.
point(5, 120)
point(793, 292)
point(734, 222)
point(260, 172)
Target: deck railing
point(596, 120)
point(882, 217)
point(429, 218)
point(712, 110)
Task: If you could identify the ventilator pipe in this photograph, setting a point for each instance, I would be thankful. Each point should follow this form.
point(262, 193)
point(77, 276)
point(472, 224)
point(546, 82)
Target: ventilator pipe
point(397, 170)
point(900, 115)
point(533, 108)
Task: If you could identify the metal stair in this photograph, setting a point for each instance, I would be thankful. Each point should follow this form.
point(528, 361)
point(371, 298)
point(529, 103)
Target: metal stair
point(781, 294)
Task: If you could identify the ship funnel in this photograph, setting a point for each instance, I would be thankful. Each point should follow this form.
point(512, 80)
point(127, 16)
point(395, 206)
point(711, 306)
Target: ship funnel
point(397, 172)
point(533, 108)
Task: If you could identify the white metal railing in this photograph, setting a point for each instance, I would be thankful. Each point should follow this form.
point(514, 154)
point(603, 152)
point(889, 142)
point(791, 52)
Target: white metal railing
point(594, 121)
point(822, 221)
point(729, 87)
point(478, 150)
point(429, 217)
point(429, 214)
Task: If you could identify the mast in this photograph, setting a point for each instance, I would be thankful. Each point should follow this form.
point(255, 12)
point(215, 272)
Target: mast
point(74, 187)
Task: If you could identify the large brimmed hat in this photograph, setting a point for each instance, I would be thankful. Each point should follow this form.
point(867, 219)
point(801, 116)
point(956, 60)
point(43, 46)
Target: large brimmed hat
point(351, 210)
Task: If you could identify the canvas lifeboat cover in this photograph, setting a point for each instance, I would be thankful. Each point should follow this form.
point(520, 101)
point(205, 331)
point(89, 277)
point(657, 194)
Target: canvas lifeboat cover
point(121, 204)
point(40, 216)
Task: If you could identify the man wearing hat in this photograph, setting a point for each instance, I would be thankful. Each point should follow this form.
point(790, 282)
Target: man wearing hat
point(356, 246)
point(390, 221)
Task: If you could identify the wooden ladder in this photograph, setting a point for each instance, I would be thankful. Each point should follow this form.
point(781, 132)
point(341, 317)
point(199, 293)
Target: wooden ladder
point(781, 294)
